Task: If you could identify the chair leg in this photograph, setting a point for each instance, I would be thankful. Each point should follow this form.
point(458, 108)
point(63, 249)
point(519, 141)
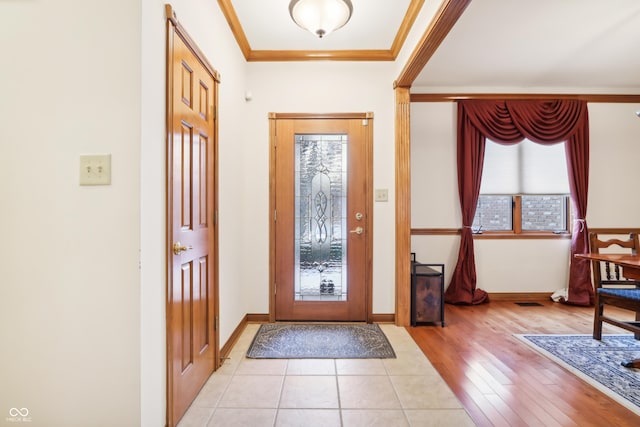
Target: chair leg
point(597, 320)
point(637, 334)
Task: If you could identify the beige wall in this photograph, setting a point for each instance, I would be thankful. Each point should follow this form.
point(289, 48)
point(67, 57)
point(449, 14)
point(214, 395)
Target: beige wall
point(69, 273)
point(518, 265)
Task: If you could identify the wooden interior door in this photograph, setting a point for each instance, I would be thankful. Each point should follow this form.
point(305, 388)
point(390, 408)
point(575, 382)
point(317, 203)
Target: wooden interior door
point(322, 192)
point(192, 337)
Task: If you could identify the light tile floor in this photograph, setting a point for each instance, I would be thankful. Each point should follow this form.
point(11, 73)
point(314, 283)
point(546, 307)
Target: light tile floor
point(406, 391)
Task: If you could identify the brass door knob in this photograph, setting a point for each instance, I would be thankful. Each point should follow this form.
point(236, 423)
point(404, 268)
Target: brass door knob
point(178, 248)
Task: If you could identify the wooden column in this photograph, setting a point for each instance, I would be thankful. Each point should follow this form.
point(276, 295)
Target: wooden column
point(403, 206)
point(444, 19)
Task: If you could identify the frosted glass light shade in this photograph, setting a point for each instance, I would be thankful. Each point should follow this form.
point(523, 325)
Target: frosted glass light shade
point(320, 17)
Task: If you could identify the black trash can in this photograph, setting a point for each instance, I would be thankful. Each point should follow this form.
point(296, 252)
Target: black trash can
point(427, 293)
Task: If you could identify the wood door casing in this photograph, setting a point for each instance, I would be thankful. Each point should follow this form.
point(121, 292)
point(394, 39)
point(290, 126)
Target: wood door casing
point(192, 336)
point(359, 131)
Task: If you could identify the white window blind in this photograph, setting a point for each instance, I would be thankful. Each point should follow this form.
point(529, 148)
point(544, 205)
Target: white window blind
point(524, 168)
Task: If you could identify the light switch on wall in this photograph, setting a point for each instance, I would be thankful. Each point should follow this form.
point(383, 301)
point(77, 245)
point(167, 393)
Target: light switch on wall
point(95, 169)
point(382, 195)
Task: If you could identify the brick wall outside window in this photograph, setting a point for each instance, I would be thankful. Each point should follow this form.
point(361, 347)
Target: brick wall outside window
point(539, 213)
point(493, 214)
point(544, 213)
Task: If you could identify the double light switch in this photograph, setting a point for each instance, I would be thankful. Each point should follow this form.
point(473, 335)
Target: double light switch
point(95, 169)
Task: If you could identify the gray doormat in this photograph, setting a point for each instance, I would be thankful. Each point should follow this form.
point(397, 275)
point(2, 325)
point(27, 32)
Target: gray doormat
point(320, 341)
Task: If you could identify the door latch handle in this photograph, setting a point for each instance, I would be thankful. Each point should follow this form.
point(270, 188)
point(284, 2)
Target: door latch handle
point(358, 230)
point(178, 248)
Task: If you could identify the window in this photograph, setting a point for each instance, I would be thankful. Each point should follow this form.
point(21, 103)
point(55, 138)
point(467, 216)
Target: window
point(524, 190)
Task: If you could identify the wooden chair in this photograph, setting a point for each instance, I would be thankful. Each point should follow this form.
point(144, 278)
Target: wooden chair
point(611, 288)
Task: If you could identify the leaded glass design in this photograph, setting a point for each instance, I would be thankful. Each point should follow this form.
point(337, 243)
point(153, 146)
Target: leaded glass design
point(321, 217)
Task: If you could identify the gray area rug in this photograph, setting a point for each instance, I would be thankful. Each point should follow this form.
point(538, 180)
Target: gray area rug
point(320, 341)
point(596, 362)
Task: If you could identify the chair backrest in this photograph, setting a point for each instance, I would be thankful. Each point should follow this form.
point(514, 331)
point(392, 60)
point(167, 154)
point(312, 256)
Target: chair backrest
point(605, 274)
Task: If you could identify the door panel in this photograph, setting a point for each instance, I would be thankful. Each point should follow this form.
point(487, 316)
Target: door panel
point(191, 231)
point(322, 194)
point(183, 302)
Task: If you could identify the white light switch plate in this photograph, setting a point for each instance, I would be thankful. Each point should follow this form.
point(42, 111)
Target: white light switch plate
point(95, 169)
point(382, 195)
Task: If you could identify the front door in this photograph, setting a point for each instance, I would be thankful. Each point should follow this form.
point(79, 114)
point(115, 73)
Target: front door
point(322, 192)
point(191, 225)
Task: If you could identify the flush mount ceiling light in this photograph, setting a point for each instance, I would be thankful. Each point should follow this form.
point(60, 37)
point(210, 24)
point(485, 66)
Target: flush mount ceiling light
point(320, 17)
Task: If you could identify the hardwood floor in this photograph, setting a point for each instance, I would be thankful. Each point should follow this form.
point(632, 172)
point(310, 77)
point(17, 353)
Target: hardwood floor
point(503, 382)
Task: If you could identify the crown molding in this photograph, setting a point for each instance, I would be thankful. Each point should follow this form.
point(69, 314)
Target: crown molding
point(234, 23)
point(320, 55)
point(446, 17)
point(409, 18)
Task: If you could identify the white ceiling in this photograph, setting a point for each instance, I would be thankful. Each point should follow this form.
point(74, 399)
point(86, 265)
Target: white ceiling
point(268, 26)
point(590, 44)
point(573, 45)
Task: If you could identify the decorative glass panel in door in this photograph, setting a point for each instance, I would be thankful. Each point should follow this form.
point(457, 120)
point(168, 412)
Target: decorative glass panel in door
point(321, 217)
